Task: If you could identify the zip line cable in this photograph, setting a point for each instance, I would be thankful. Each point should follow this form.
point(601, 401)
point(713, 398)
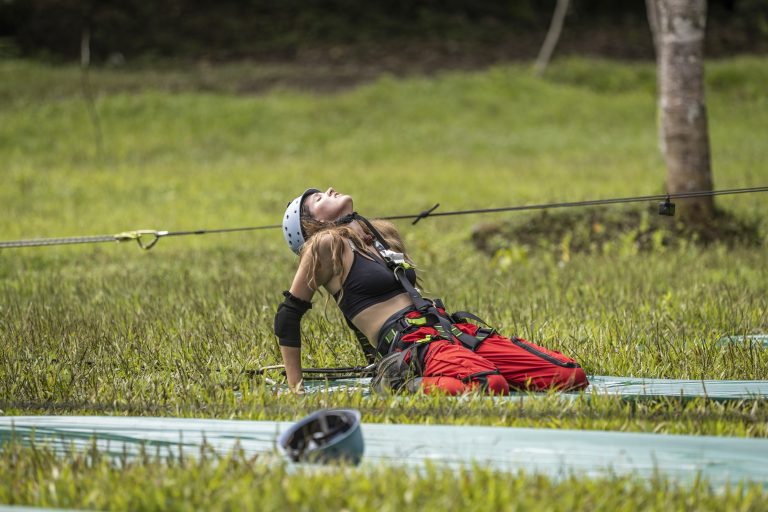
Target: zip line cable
point(596, 202)
point(147, 238)
point(152, 237)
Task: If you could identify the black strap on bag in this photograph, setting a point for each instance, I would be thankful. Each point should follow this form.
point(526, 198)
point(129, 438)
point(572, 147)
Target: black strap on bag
point(398, 371)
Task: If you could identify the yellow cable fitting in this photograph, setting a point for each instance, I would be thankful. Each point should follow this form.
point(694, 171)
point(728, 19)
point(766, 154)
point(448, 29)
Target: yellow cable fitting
point(138, 234)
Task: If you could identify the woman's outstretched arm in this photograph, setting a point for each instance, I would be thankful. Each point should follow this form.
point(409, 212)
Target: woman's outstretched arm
point(292, 362)
point(297, 302)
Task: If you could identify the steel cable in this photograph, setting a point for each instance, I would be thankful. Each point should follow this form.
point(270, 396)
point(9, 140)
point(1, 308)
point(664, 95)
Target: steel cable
point(156, 235)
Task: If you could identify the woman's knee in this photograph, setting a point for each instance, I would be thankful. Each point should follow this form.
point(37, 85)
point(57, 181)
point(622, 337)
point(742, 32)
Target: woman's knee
point(494, 384)
point(565, 379)
point(443, 384)
point(497, 385)
point(576, 379)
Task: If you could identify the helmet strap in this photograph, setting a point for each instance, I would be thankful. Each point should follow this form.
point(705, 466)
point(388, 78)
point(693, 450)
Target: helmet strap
point(377, 239)
point(348, 218)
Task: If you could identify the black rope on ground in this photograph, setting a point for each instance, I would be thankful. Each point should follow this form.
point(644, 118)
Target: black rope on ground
point(156, 235)
point(333, 373)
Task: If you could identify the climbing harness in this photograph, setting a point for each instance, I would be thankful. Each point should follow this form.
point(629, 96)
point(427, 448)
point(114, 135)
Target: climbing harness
point(666, 207)
point(424, 312)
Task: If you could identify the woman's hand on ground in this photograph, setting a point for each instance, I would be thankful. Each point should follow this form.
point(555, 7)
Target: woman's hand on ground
point(295, 390)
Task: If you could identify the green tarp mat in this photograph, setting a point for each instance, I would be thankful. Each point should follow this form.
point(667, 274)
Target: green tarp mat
point(754, 340)
point(19, 508)
point(556, 453)
point(628, 387)
point(714, 389)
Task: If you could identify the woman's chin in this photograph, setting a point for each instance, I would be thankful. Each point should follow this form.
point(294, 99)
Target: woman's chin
point(347, 204)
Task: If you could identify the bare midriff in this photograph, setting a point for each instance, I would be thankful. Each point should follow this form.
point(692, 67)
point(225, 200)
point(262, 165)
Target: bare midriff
point(370, 320)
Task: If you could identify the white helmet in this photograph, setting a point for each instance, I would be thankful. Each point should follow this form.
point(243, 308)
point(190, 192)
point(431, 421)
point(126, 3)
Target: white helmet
point(292, 230)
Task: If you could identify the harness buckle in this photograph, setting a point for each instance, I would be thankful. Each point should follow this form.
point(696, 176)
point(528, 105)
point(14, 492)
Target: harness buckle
point(395, 259)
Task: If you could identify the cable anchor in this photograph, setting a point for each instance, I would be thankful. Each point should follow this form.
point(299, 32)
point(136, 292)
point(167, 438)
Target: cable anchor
point(667, 208)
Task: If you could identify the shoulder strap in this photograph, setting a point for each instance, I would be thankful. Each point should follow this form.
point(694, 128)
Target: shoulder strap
point(458, 316)
point(396, 262)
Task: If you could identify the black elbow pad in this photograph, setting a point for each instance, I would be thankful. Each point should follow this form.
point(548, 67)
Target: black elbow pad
point(288, 320)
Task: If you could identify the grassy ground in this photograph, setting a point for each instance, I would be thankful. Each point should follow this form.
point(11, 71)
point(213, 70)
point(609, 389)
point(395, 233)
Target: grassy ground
point(109, 329)
point(87, 480)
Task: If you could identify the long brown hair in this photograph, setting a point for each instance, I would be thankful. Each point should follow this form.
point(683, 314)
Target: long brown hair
point(315, 230)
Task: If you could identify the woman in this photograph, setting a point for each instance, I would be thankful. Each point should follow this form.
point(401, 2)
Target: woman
point(362, 265)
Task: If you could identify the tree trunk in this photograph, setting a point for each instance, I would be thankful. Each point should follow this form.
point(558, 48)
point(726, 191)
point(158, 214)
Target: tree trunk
point(682, 105)
point(553, 36)
point(85, 83)
point(652, 10)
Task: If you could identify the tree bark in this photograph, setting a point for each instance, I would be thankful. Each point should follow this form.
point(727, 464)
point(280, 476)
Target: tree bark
point(682, 105)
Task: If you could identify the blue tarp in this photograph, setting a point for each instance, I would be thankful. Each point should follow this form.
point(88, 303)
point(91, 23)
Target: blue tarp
point(627, 387)
point(754, 340)
point(552, 452)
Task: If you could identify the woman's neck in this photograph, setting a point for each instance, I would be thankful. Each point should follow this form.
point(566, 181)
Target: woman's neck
point(360, 231)
point(358, 228)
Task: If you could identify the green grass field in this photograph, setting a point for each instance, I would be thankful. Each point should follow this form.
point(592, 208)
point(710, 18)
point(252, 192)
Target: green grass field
point(237, 482)
point(109, 329)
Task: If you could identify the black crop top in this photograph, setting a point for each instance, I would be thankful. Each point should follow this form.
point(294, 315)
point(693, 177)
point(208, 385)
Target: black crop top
point(369, 282)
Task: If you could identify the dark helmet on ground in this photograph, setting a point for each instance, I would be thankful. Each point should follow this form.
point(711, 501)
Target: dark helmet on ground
point(328, 435)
